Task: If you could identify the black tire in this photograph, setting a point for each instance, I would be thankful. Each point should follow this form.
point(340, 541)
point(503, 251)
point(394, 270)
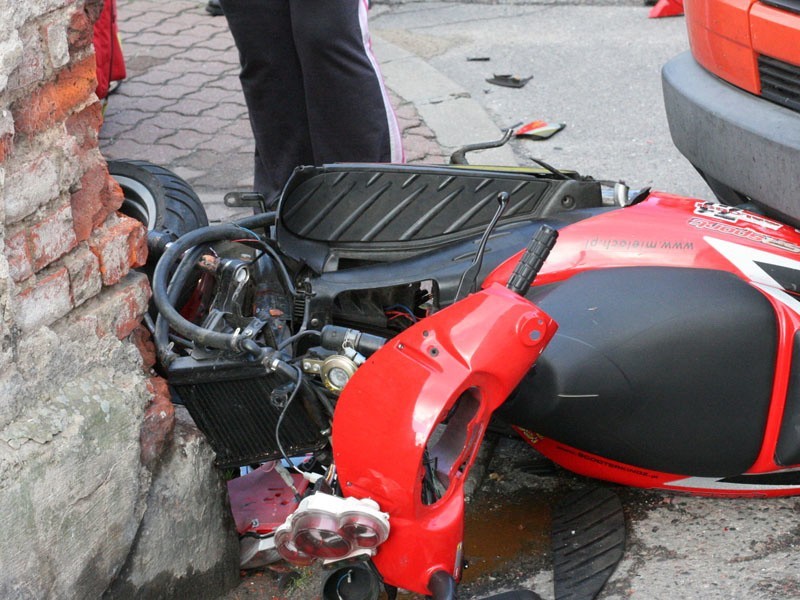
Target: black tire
point(157, 197)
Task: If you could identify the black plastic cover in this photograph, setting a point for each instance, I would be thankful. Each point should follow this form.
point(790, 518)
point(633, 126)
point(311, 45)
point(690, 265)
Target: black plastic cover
point(389, 212)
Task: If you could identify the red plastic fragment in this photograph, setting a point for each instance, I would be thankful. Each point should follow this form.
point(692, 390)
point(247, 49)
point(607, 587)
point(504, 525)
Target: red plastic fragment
point(666, 8)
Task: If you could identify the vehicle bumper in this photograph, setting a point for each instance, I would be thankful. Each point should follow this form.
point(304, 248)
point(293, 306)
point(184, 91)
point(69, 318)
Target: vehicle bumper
point(741, 140)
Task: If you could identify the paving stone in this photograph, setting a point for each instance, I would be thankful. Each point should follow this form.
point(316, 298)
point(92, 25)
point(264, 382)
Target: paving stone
point(136, 105)
point(197, 80)
point(185, 106)
point(115, 114)
point(189, 140)
point(215, 95)
point(218, 43)
point(157, 77)
point(182, 63)
point(131, 49)
point(152, 38)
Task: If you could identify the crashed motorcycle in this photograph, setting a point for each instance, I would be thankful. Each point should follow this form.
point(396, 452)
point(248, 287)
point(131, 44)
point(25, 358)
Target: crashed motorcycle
point(352, 348)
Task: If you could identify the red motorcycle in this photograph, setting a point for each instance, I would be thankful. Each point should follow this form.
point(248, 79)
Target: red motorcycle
point(348, 350)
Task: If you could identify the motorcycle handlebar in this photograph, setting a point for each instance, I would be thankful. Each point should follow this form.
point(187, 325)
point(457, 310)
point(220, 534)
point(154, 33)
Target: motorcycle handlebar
point(532, 260)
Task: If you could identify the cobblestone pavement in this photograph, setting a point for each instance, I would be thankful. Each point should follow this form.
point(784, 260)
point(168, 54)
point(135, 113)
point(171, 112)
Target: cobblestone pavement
point(181, 105)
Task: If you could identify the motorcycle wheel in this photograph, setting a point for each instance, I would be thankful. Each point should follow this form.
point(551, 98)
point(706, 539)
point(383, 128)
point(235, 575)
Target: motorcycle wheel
point(157, 197)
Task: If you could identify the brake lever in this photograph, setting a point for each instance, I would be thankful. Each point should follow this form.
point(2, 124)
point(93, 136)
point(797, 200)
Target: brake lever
point(470, 277)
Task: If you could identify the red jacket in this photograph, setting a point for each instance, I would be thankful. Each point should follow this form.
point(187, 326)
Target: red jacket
point(108, 52)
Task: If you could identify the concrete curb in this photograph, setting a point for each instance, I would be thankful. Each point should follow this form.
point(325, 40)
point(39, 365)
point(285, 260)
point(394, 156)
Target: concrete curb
point(445, 107)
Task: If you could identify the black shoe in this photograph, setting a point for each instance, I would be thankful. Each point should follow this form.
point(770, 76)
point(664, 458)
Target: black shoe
point(213, 8)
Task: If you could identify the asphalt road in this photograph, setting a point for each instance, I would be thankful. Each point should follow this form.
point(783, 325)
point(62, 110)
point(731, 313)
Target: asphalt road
point(594, 67)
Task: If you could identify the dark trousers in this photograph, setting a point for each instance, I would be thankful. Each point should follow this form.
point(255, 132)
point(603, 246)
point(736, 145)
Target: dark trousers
point(313, 90)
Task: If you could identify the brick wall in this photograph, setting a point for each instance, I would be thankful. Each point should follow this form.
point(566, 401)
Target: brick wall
point(64, 242)
point(73, 392)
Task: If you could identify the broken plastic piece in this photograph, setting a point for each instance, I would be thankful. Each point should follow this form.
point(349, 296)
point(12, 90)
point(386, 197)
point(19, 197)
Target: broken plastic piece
point(539, 130)
point(666, 8)
point(512, 81)
point(261, 500)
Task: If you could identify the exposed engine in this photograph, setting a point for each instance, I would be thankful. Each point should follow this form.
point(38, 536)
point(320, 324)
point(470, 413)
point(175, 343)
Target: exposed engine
point(234, 329)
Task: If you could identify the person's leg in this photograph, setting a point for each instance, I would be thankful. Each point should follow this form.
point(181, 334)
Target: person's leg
point(273, 89)
point(349, 114)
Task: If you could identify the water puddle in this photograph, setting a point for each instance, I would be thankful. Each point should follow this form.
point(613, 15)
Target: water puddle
point(499, 531)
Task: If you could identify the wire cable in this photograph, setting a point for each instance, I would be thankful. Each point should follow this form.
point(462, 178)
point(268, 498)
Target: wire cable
point(284, 410)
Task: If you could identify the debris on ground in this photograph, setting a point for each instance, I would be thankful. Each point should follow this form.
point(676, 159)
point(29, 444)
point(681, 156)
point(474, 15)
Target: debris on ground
point(512, 81)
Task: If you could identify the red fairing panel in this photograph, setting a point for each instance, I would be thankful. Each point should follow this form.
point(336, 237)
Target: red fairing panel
point(599, 467)
point(672, 231)
point(665, 230)
point(456, 366)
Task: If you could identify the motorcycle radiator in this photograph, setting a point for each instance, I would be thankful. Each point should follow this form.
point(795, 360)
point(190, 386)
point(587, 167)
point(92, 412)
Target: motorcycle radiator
point(237, 407)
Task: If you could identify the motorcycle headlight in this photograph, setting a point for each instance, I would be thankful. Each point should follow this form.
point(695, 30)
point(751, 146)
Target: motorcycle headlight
point(288, 551)
point(365, 531)
point(331, 528)
point(318, 534)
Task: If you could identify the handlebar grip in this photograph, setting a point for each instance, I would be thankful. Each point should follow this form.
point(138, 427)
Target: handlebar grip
point(532, 260)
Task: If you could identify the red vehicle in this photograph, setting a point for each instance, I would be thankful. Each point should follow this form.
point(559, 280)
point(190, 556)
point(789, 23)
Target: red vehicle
point(658, 347)
point(733, 103)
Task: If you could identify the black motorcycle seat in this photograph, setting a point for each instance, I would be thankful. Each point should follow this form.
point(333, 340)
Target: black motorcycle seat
point(667, 369)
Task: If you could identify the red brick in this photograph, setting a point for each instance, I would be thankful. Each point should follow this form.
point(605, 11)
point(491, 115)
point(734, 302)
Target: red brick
point(31, 69)
point(79, 30)
point(55, 35)
point(44, 302)
point(53, 101)
point(114, 195)
point(84, 126)
point(117, 310)
point(134, 301)
point(158, 424)
point(84, 274)
point(32, 181)
point(119, 245)
point(143, 341)
point(52, 238)
point(18, 255)
point(90, 203)
point(6, 146)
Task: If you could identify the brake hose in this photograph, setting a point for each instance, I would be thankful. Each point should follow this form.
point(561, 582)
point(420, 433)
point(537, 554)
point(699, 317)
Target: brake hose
point(166, 294)
point(199, 335)
point(174, 289)
point(257, 221)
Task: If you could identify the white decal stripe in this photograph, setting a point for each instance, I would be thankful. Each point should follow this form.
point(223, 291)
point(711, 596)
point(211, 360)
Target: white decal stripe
point(780, 296)
point(709, 483)
point(745, 257)
point(746, 260)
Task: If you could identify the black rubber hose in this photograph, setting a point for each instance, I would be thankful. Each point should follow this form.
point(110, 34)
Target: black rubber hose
point(256, 221)
point(199, 335)
point(264, 220)
point(174, 289)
